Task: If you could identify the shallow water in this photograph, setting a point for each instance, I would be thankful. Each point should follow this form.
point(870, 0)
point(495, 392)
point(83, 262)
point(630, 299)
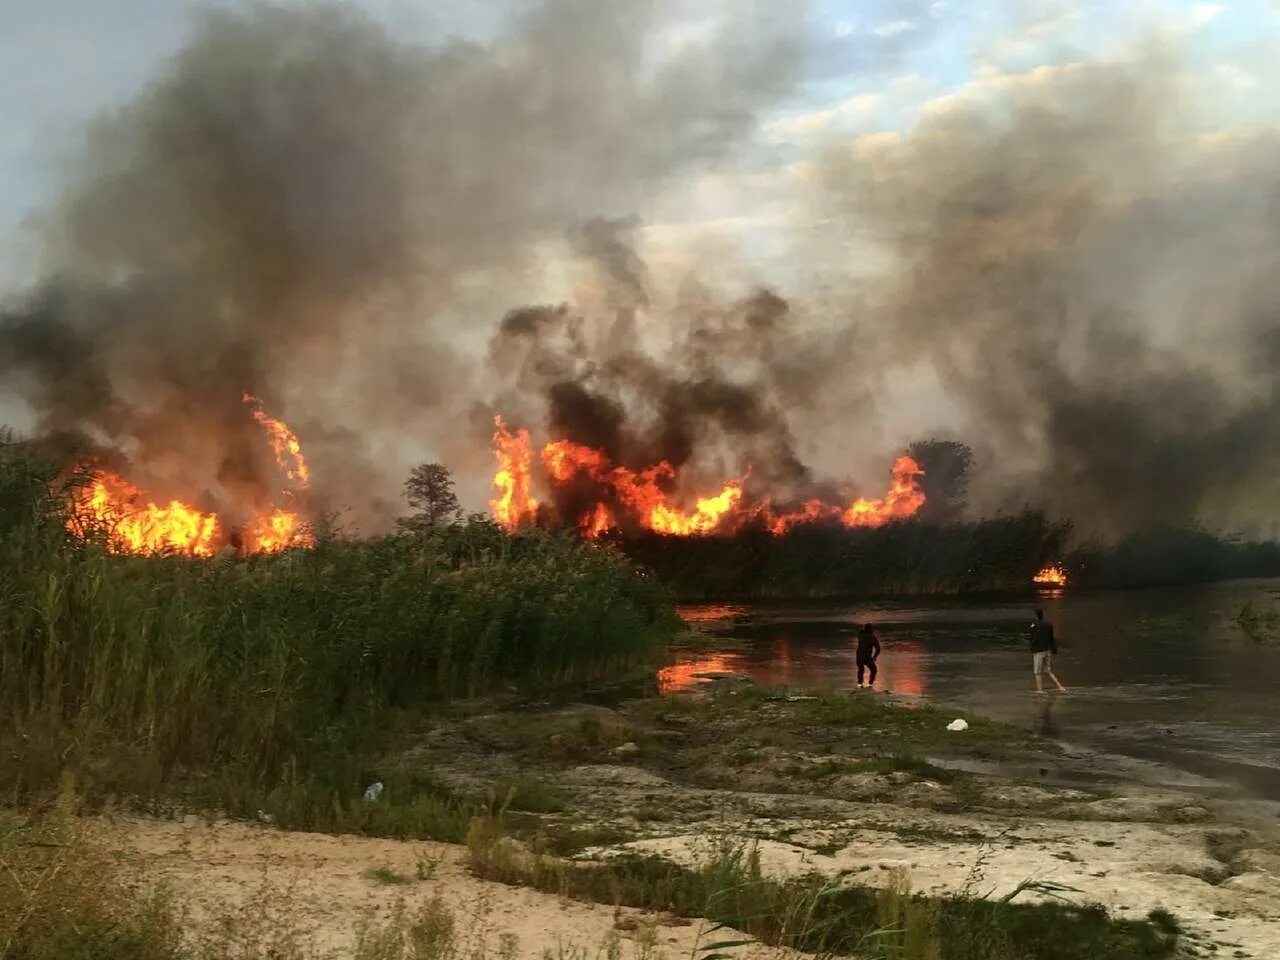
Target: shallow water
point(1164, 675)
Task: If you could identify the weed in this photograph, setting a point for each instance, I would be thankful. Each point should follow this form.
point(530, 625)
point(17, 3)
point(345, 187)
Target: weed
point(652, 814)
point(385, 876)
point(426, 865)
point(1259, 622)
point(563, 841)
point(531, 796)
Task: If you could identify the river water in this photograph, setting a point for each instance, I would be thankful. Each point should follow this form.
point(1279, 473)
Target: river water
point(1158, 675)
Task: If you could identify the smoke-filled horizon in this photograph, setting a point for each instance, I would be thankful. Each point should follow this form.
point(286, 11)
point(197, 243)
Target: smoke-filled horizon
point(390, 242)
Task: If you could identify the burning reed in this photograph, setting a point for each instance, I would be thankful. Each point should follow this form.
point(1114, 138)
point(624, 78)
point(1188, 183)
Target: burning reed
point(151, 676)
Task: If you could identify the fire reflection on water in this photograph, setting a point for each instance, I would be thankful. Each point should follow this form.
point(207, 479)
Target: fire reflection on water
point(902, 666)
point(680, 677)
point(708, 613)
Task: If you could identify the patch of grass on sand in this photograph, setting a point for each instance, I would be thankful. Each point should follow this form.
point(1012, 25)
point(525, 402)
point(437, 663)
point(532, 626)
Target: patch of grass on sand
point(565, 841)
point(385, 877)
point(917, 767)
point(653, 814)
point(1259, 620)
point(820, 916)
point(530, 796)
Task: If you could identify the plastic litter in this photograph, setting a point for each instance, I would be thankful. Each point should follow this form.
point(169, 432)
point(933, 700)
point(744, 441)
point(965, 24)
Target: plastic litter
point(957, 725)
point(373, 792)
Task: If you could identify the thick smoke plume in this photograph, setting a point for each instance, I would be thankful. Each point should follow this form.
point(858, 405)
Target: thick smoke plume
point(1092, 271)
point(303, 208)
point(342, 224)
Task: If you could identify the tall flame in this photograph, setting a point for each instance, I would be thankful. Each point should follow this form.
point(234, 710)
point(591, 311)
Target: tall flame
point(112, 506)
point(285, 443)
point(276, 531)
point(1051, 576)
point(903, 499)
point(109, 504)
point(641, 493)
point(515, 504)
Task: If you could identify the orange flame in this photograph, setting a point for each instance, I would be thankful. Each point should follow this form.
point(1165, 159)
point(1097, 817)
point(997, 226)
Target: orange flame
point(276, 531)
point(108, 505)
point(641, 493)
point(285, 444)
point(1051, 576)
point(707, 514)
point(111, 505)
point(903, 499)
point(515, 504)
point(645, 499)
point(597, 522)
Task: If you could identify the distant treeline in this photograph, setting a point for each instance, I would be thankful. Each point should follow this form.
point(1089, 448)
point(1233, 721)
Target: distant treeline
point(828, 561)
point(919, 558)
point(1171, 556)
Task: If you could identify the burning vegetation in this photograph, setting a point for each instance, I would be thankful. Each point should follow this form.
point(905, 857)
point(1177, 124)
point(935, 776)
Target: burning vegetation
point(601, 495)
point(1051, 576)
point(652, 389)
point(109, 506)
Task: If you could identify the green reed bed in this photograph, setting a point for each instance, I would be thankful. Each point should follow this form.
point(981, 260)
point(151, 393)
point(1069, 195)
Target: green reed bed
point(272, 676)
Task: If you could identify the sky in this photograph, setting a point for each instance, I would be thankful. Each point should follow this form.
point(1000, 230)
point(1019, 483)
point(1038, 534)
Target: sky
point(872, 73)
point(875, 64)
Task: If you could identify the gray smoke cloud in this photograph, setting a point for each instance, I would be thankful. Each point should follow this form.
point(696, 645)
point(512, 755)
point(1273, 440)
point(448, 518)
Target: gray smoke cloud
point(304, 208)
point(341, 223)
point(1094, 278)
point(707, 384)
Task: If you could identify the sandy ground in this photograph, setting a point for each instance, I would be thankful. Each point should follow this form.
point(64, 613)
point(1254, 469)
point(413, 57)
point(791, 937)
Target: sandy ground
point(316, 885)
point(768, 774)
point(1131, 868)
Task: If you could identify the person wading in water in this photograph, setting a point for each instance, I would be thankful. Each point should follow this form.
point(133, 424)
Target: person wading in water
point(868, 652)
point(1043, 647)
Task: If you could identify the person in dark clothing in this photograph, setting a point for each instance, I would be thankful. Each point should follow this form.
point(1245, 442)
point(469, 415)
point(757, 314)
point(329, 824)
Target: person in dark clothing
point(1043, 647)
point(868, 653)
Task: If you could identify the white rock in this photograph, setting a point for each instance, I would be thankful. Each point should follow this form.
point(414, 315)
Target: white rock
point(958, 724)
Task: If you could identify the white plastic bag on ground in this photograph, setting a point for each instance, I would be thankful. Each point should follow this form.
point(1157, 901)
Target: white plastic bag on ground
point(957, 725)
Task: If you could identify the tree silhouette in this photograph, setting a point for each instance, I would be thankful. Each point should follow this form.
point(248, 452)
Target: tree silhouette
point(429, 491)
point(946, 478)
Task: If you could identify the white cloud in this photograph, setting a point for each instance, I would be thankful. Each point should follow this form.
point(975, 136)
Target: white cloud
point(1235, 77)
point(844, 113)
point(893, 28)
point(1203, 13)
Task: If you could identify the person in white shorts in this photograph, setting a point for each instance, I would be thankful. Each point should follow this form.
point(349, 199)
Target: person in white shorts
point(1043, 646)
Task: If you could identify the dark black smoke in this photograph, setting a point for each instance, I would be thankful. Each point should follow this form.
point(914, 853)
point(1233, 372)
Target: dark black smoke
point(713, 402)
point(301, 207)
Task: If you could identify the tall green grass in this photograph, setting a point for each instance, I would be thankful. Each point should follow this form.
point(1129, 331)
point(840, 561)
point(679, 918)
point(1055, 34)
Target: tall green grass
point(276, 677)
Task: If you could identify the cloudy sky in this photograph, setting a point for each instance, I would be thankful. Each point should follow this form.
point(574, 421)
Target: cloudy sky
point(981, 206)
point(873, 65)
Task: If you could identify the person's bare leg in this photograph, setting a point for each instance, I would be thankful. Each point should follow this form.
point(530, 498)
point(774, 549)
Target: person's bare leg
point(1058, 683)
point(1039, 684)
